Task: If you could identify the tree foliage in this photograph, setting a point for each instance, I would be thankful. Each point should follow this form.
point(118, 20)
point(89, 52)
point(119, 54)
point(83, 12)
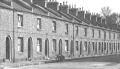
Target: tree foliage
point(112, 19)
point(106, 11)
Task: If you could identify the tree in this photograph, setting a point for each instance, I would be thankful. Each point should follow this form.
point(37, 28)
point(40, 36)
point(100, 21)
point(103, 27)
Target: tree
point(106, 11)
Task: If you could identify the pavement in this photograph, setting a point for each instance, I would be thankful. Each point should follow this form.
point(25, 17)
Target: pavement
point(101, 62)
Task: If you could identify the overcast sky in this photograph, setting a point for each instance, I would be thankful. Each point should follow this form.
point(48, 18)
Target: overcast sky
point(95, 5)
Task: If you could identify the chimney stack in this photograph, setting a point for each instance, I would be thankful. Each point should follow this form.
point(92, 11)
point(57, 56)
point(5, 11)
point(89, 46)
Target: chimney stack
point(73, 11)
point(53, 4)
point(94, 19)
point(99, 20)
point(63, 7)
point(88, 15)
point(104, 22)
point(81, 14)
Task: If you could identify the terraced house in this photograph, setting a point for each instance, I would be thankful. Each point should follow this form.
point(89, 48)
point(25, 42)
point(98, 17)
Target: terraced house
point(41, 29)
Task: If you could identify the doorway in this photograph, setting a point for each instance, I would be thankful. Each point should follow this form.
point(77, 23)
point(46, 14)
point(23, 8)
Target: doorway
point(47, 47)
point(30, 47)
point(8, 47)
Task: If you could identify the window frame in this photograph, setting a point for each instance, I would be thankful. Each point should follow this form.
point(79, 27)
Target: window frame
point(20, 20)
point(67, 45)
point(40, 44)
point(21, 44)
point(39, 23)
point(54, 26)
point(67, 29)
point(54, 45)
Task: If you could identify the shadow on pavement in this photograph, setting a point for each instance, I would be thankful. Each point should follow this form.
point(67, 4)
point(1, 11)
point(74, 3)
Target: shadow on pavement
point(110, 58)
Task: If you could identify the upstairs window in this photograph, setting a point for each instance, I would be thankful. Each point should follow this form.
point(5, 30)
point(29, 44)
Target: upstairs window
point(54, 26)
point(77, 46)
point(109, 35)
point(20, 44)
point(54, 45)
point(93, 33)
point(99, 34)
point(20, 20)
point(114, 36)
point(66, 45)
point(77, 30)
point(39, 45)
point(66, 32)
point(104, 35)
point(39, 23)
point(85, 31)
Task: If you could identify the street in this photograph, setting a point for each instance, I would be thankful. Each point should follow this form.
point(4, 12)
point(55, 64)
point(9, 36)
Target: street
point(102, 62)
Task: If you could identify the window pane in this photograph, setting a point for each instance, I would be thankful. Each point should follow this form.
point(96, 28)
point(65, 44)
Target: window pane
point(66, 45)
point(39, 45)
point(20, 20)
point(39, 23)
point(54, 44)
point(20, 44)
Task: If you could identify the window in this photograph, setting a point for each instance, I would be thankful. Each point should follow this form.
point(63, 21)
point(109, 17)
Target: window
point(54, 26)
point(20, 20)
point(93, 33)
point(85, 31)
point(66, 29)
point(99, 34)
point(54, 45)
point(104, 35)
point(39, 23)
point(77, 30)
point(66, 45)
point(114, 36)
point(39, 45)
point(109, 35)
point(20, 44)
point(85, 45)
point(77, 46)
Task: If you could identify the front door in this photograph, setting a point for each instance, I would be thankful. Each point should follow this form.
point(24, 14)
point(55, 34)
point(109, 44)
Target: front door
point(72, 48)
point(60, 47)
point(30, 45)
point(47, 47)
point(8, 47)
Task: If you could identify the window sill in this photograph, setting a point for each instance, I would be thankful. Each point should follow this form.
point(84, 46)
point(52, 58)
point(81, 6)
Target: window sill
point(19, 27)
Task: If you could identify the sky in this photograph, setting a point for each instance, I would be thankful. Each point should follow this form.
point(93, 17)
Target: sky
point(95, 6)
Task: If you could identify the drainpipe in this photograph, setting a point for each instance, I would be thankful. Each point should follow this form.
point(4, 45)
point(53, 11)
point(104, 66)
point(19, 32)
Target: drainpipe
point(13, 56)
point(73, 40)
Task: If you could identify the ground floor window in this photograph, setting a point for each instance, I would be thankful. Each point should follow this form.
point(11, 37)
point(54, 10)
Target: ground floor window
point(20, 44)
point(80, 47)
point(54, 45)
point(66, 45)
point(39, 45)
point(77, 46)
point(85, 45)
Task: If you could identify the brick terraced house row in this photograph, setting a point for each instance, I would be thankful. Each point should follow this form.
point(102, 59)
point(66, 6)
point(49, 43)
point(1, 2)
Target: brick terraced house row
point(41, 29)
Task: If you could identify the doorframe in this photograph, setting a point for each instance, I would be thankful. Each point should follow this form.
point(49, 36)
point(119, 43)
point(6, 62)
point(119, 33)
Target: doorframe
point(30, 46)
point(10, 48)
point(60, 47)
point(47, 47)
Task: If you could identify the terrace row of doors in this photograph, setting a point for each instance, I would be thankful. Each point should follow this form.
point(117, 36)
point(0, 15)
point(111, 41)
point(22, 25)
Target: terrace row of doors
point(30, 47)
